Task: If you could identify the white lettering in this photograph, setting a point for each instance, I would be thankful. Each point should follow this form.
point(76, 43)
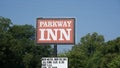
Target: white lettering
point(69, 23)
point(52, 34)
point(55, 23)
point(66, 35)
point(41, 23)
point(42, 34)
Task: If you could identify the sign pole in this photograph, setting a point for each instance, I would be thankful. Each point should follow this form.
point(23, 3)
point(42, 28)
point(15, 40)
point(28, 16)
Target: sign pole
point(55, 50)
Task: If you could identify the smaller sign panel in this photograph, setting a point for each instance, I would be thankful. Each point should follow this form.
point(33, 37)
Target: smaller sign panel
point(55, 30)
point(54, 62)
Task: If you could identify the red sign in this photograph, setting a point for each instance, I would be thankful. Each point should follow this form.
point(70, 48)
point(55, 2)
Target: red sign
point(55, 30)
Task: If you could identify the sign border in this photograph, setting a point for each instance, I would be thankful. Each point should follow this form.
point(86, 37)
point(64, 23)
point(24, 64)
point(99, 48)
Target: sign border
point(55, 19)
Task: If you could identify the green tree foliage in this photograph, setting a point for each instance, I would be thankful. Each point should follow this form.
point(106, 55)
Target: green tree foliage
point(18, 48)
point(94, 52)
point(115, 63)
point(91, 43)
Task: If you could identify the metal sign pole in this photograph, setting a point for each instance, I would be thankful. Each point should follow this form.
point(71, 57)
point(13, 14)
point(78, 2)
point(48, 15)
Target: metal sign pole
point(55, 50)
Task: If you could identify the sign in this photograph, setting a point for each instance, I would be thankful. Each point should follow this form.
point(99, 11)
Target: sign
point(55, 30)
point(54, 62)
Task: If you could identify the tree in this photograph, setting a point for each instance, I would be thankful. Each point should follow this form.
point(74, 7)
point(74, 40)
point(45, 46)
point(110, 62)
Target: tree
point(91, 43)
point(111, 54)
point(18, 48)
point(115, 63)
point(87, 52)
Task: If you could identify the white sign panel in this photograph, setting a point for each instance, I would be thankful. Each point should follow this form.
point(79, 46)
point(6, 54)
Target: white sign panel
point(54, 62)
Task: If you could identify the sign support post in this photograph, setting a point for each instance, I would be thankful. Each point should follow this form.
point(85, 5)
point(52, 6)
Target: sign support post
point(55, 50)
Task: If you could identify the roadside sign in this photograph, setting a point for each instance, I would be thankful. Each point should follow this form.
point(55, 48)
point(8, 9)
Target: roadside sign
point(55, 31)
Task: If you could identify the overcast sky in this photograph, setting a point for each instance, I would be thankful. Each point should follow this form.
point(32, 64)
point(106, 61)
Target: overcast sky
point(101, 16)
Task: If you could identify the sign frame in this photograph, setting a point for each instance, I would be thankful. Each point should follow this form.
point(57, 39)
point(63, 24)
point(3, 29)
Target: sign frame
point(73, 36)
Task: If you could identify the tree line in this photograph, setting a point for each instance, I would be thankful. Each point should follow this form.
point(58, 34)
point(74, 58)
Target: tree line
point(19, 50)
point(93, 52)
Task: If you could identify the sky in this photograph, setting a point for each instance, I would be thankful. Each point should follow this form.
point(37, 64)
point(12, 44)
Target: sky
point(101, 16)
